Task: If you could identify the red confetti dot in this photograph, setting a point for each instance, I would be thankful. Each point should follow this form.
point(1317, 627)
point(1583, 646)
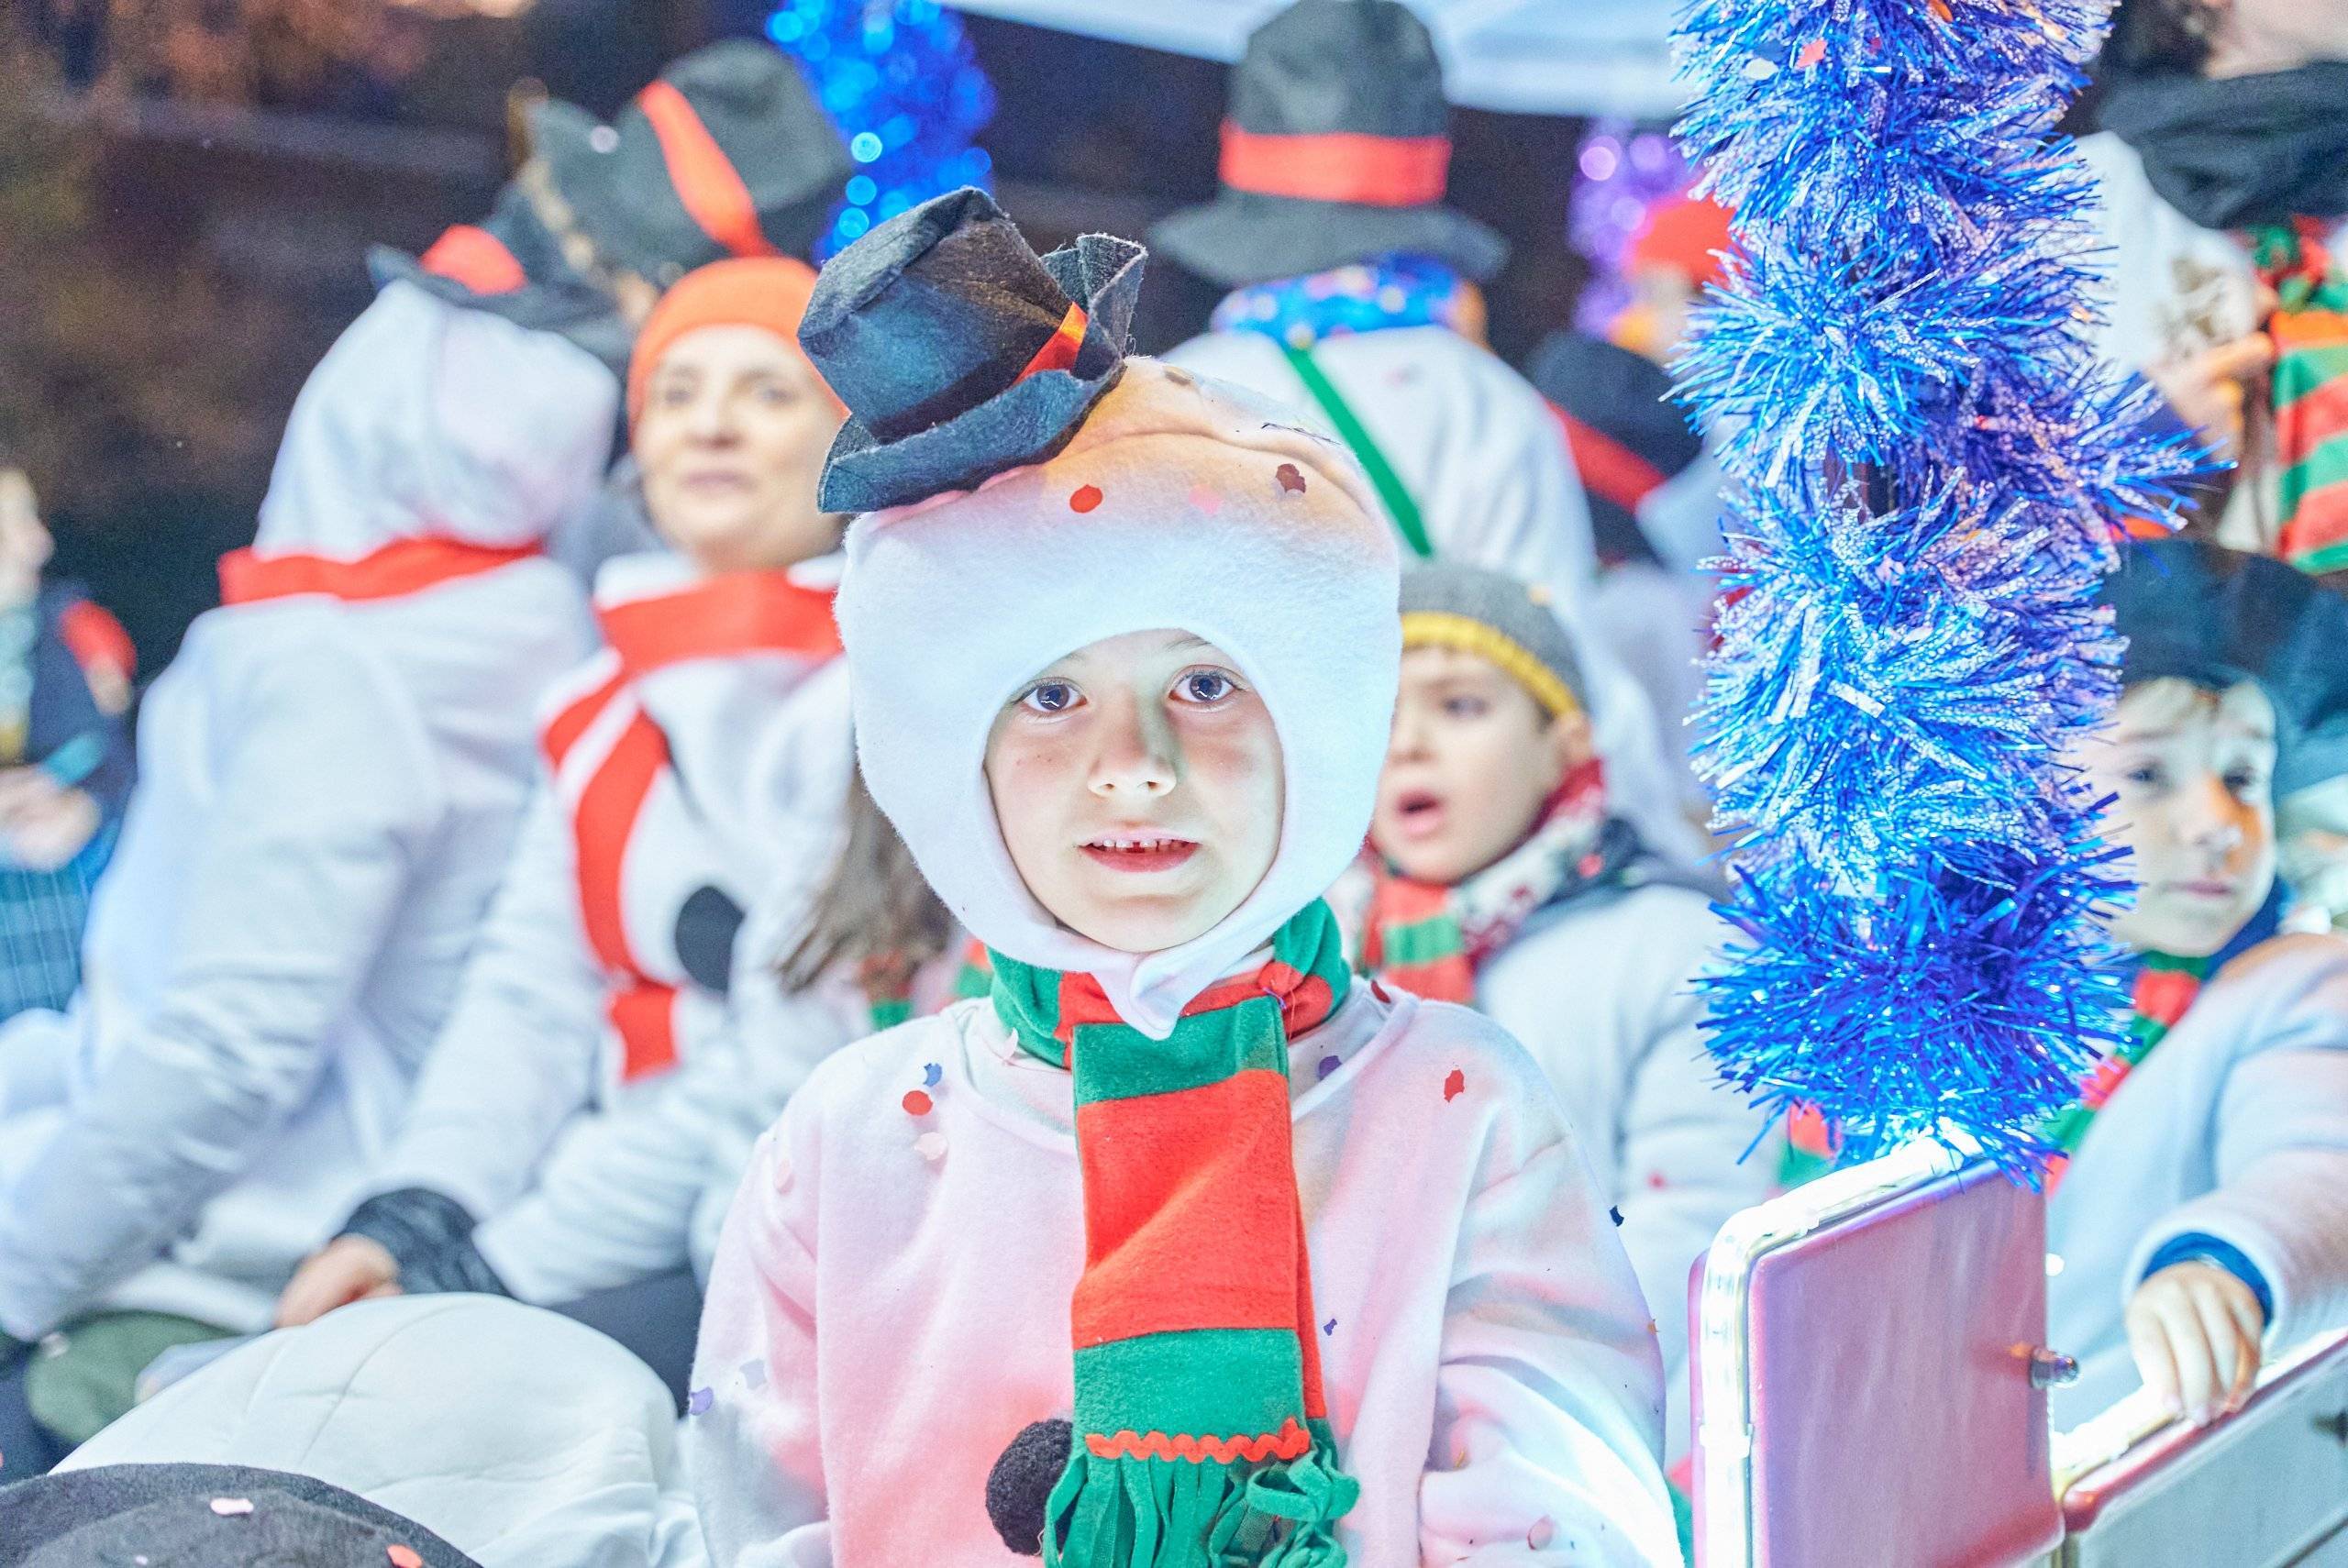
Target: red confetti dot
point(918, 1104)
point(1454, 1086)
point(1809, 54)
point(1291, 478)
point(1086, 498)
point(403, 1557)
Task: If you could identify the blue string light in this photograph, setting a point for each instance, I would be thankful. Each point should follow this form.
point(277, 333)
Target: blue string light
point(900, 80)
point(1926, 465)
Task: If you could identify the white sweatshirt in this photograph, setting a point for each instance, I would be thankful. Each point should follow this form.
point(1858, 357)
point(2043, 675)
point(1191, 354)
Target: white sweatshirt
point(2235, 1127)
point(1483, 457)
point(583, 1177)
point(328, 790)
point(1602, 991)
point(887, 1313)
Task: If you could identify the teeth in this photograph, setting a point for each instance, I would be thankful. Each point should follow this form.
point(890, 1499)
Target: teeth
point(1135, 844)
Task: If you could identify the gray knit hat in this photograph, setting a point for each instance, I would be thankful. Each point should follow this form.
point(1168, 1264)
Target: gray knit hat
point(1498, 618)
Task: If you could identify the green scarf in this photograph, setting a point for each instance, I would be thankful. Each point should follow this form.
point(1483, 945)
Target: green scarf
point(1201, 1437)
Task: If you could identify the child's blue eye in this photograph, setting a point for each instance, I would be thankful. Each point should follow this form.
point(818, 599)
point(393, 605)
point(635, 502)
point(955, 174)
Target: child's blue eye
point(1464, 707)
point(1207, 686)
point(2144, 773)
point(1049, 697)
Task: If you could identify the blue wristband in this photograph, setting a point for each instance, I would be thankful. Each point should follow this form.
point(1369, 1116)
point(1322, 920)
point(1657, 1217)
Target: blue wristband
point(2196, 1246)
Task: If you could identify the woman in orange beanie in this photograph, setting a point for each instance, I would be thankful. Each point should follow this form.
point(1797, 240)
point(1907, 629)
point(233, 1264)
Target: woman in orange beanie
point(699, 906)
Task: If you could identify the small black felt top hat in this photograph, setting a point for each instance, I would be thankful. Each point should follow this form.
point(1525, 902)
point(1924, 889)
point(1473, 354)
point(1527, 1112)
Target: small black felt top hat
point(206, 1515)
point(1336, 149)
point(1627, 437)
point(2202, 612)
point(959, 352)
point(728, 153)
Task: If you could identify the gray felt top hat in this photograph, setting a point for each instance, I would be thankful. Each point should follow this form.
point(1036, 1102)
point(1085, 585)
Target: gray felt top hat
point(1336, 149)
point(206, 1515)
point(958, 350)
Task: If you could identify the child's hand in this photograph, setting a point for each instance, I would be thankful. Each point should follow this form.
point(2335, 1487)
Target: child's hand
point(2195, 1330)
point(346, 1269)
point(42, 825)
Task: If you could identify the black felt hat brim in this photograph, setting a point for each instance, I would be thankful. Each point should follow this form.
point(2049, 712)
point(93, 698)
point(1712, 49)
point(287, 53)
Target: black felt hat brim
point(163, 1511)
point(1026, 424)
point(2214, 616)
point(1245, 237)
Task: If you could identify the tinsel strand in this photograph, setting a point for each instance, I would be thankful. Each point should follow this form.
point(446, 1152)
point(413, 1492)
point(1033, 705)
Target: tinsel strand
point(1927, 471)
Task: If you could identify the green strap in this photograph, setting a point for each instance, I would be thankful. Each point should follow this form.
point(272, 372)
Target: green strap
point(1355, 435)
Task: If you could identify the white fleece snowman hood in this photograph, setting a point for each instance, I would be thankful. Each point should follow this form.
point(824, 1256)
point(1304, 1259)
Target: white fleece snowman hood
point(1181, 503)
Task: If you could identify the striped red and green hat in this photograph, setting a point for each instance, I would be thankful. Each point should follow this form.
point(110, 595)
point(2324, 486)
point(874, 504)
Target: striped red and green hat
point(1201, 1437)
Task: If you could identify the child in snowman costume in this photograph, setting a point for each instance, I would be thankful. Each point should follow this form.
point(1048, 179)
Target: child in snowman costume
point(2198, 1217)
point(1184, 1247)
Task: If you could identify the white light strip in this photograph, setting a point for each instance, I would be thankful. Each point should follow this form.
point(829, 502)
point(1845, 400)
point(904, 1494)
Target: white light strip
point(2111, 1432)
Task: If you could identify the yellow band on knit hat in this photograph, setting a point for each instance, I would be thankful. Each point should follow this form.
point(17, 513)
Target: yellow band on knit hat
point(1441, 629)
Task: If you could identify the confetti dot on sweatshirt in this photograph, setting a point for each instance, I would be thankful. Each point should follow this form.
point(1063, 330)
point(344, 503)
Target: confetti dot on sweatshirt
point(916, 1103)
point(1205, 500)
point(1086, 498)
point(403, 1557)
point(1542, 1532)
point(1656, 1181)
point(1291, 478)
point(231, 1507)
point(1377, 989)
point(1454, 1086)
point(930, 1072)
point(1330, 1327)
point(931, 1146)
point(698, 1402)
point(1330, 1065)
point(1616, 1215)
point(754, 1374)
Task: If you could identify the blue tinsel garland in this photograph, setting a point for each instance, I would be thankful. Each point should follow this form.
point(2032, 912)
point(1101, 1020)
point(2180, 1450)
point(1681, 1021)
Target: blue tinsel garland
point(1926, 469)
point(899, 79)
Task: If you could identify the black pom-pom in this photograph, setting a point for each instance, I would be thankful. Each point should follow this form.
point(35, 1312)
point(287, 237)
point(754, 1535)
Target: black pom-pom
point(1021, 1483)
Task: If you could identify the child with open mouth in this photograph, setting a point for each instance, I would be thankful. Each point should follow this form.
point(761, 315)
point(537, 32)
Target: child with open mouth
point(1500, 876)
point(1184, 1247)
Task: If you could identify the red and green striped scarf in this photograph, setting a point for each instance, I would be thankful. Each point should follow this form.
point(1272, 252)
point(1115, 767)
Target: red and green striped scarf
point(1430, 939)
point(1201, 1437)
point(2166, 986)
point(2310, 331)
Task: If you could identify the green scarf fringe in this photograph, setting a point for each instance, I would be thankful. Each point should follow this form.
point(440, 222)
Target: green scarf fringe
point(1171, 1513)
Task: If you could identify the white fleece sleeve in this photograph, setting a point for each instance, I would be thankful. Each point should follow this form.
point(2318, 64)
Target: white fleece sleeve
point(2282, 1148)
point(755, 1452)
point(1548, 1399)
point(615, 1200)
point(515, 1060)
point(326, 798)
point(1682, 1133)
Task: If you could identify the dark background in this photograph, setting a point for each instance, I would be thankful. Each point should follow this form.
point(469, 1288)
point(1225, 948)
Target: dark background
point(187, 188)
